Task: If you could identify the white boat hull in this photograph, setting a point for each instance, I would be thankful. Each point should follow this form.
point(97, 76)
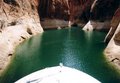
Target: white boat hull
point(58, 74)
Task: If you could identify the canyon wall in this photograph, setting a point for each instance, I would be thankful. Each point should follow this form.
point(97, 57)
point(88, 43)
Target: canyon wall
point(113, 49)
point(19, 20)
point(105, 15)
point(101, 14)
point(54, 9)
point(63, 9)
point(55, 13)
point(97, 13)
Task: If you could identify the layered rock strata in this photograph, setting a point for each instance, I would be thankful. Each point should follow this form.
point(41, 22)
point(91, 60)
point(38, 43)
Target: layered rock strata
point(19, 20)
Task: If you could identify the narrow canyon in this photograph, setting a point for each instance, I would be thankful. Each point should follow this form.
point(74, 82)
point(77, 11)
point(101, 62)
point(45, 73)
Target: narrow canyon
point(22, 19)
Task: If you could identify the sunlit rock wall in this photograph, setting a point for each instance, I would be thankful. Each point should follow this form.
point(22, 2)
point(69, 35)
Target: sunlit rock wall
point(19, 20)
point(113, 49)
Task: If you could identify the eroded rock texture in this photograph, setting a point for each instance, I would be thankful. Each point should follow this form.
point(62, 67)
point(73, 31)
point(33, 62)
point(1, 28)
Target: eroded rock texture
point(114, 24)
point(65, 10)
point(18, 21)
point(54, 13)
point(101, 14)
point(54, 9)
point(113, 49)
point(79, 11)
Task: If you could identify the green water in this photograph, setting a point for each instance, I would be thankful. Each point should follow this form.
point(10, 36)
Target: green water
point(72, 47)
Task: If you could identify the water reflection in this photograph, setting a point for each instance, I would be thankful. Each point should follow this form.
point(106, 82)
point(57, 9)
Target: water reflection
point(72, 47)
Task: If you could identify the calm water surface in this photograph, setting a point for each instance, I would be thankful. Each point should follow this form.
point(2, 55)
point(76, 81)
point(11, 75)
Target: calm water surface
point(72, 47)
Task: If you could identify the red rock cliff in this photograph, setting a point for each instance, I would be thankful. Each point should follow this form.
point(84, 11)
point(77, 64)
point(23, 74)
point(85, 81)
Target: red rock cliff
point(63, 9)
point(84, 10)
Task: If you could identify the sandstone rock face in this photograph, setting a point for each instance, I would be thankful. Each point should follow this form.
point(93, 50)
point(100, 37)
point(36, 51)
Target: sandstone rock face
point(105, 14)
point(78, 11)
point(19, 20)
point(91, 25)
point(113, 49)
point(51, 10)
point(65, 10)
point(54, 9)
point(102, 12)
point(114, 24)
